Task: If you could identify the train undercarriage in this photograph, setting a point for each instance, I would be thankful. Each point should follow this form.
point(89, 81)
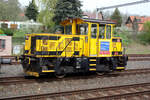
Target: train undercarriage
point(61, 66)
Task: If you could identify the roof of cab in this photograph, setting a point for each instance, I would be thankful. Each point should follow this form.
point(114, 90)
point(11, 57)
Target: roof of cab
point(98, 21)
point(102, 22)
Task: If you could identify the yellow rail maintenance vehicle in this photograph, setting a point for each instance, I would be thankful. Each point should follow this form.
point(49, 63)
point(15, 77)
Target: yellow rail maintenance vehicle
point(85, 45)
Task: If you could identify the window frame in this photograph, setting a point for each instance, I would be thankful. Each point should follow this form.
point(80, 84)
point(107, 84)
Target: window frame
point(2, 44)
point(65, 29)
point(111, 31)
point(104, 26)
point(97, 30)
point(85, 27)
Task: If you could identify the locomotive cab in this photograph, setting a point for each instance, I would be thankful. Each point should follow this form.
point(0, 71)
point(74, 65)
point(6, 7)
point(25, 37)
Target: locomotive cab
point(100, 40)
point(86, 45)
point(99, 36)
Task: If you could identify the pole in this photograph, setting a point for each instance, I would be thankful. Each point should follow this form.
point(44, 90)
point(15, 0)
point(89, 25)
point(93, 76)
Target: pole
point(0, 65)
point(102, 15)
point(97, 11)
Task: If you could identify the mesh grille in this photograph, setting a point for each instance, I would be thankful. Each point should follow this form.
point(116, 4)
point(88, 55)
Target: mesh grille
point(52, 45)
point(44, 48)
point(67, 41)
point(69, 49)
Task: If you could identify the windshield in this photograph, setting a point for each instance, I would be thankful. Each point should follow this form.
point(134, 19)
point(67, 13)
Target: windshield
point(93, 30)
point(68, 29)
point(101, 31)
point(108, 32)
point(82, 29)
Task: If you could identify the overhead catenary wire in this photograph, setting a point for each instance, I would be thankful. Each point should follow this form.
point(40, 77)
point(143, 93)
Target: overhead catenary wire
point(121, 5)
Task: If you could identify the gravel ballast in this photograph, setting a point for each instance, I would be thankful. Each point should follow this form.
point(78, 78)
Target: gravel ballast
point(70, 85)
point(61, 86)
point(11, 71)
point(17, 70)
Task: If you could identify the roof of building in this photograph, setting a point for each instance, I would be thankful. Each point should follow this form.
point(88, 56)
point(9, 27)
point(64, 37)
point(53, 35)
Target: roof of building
point(3, 35)
point(140, 20)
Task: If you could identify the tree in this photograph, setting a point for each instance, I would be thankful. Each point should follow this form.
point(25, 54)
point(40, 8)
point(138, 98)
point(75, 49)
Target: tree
point(116, 16)
point(32, 11)
point(9, 10)
point(67, 9)
point(47, 12)
point(145, 36)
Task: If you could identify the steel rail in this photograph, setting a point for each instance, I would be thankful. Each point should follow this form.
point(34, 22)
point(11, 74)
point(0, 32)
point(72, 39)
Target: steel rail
point(22, 80)
point(91, 94)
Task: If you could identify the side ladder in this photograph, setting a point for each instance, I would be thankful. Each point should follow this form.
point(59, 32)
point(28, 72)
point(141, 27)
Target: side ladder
point(92, 64)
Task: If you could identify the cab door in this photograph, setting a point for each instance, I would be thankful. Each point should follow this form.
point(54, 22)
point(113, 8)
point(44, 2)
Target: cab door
point(94, 40)
point(105, 36)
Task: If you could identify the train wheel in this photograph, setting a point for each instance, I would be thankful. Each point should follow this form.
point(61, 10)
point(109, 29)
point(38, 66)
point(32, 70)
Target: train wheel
point(100, 73)
point(61, 73)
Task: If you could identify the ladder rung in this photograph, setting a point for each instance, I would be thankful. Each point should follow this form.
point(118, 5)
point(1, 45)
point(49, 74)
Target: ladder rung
point(92, 59)
point(92, 64)
point(45, 71)
point(92, 69)
point(120, 67)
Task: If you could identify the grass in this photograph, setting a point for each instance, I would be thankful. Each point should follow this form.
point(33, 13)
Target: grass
point(18, 40)
point(136, 48)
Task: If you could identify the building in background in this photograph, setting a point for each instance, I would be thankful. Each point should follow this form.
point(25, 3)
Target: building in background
point(136, 22)
point(5, 45)
point(92, 15)
point(20, 25)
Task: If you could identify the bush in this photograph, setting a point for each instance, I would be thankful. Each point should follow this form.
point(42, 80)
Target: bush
point(19, 36)
point(145, 35)
point(8, 32)
point(125, 36)
point(1, 31)
point(21, 32)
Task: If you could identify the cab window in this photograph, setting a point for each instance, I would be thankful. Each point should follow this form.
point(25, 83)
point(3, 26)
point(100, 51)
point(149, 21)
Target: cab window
point(82, 29)
point(93, 30)
point(68, 29)
point(108, 32)
point(101, 31)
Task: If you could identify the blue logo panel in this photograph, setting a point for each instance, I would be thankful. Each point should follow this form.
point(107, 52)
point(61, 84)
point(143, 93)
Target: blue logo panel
point(104, 46)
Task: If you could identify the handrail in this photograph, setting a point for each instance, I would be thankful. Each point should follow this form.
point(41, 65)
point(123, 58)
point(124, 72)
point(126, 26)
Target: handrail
point(65, 46)
point(79, 50)
point(59, 44)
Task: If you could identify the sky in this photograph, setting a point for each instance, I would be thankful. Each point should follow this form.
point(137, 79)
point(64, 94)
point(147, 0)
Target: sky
point(140, 9)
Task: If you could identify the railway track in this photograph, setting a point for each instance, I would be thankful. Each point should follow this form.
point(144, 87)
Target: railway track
point(23, 80)
point(139, 57)
point(132, 57)
point(126, 92)
point(15, 80)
